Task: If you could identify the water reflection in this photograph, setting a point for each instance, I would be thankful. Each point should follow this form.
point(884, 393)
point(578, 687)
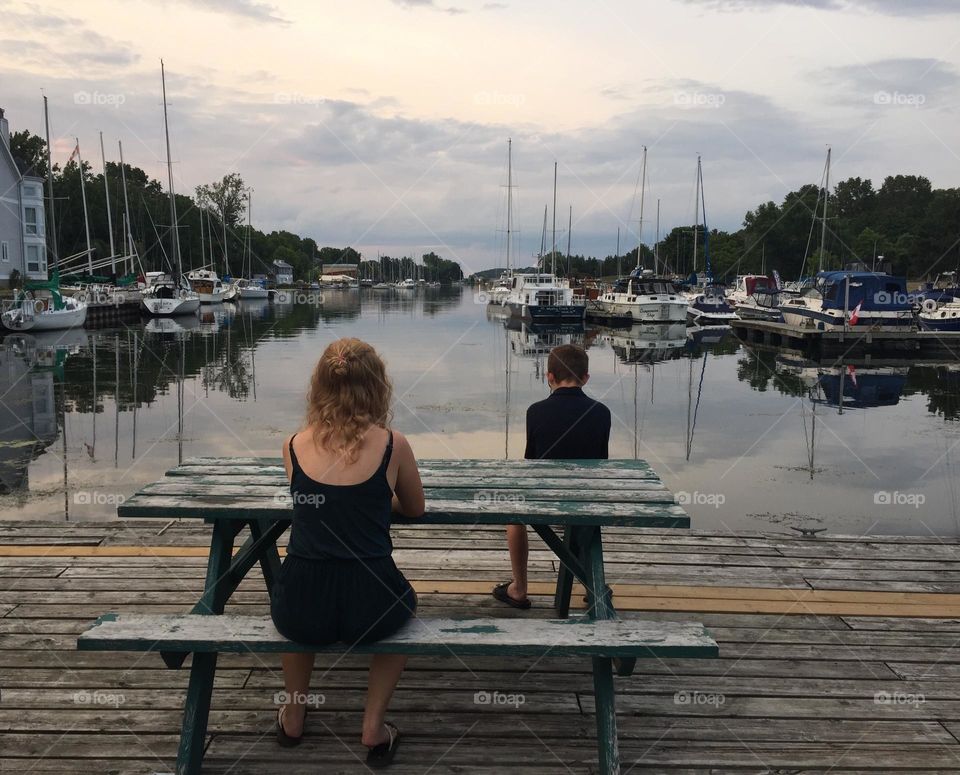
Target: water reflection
point(110, 410)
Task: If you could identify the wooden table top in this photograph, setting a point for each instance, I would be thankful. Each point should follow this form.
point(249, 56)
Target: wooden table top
point(625, 493)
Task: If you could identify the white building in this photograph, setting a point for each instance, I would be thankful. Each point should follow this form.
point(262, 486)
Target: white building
point(283, 273)
point(23, 243)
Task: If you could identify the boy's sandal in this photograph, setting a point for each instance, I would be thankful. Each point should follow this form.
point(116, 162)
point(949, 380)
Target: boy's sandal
point(501, 592)
point(382, 755)
point(283, 739)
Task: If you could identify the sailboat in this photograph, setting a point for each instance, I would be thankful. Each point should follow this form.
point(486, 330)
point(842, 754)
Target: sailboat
point(168, 294)
point(707, 302)
point(247, 289)
point(39, 306)
point(643, 297)
point(542, 297)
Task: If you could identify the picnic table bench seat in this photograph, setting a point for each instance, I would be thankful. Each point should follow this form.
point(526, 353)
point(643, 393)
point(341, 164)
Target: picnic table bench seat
point(205, 636)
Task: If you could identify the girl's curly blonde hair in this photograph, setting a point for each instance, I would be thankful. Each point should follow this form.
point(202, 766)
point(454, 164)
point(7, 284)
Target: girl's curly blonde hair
point(349, 392)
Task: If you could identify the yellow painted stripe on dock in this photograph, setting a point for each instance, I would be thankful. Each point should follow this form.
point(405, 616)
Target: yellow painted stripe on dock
point(628, 597)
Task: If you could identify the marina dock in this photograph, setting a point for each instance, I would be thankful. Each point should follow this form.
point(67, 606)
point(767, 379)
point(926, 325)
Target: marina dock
point(853, 343)
point(837, 654)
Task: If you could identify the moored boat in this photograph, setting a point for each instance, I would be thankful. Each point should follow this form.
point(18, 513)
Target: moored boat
point(842, 299)
point(207, 285)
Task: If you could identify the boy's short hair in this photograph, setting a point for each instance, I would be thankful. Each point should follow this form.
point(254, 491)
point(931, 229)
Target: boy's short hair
point(568, 362)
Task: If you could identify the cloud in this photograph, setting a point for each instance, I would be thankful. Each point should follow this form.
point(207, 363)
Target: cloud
point(248, 9)
point(887, 7)
point(930, 82)
point(430, 5)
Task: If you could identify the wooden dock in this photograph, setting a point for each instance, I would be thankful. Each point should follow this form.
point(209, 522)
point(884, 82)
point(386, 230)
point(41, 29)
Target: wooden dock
point(855, 343)
point(837, 654)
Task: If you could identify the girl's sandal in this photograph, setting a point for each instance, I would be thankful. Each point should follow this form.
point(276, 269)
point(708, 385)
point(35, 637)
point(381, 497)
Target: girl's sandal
point(382, 755)
point(283, 739)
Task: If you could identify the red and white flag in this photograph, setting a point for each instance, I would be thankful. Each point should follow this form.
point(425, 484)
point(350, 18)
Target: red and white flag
point(855, 315)
point(76, 152)
point(852, 373)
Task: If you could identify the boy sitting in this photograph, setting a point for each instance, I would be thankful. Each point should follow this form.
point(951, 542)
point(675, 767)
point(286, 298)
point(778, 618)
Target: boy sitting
point(567, 425)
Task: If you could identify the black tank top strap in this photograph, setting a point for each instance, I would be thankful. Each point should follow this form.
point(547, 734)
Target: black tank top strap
point(388, 452)
point(293, 456)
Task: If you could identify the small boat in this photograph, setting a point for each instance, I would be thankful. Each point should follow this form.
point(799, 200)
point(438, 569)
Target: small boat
point(382, 286)
point(230, 290)
point(943, 318)
point(709, 306)
point(207, 285)
point(250, 289)
point(943, 290)
point(864, 300)
point(763, 304)
point(163, 295)
point(407, 284)
point(542, 297)
point(642, 298)
point(31, 311)
point(747, 284)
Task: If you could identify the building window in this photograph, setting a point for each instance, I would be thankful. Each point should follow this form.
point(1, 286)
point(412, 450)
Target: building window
point(30, 222)
point(5, 252)
point(36, 262)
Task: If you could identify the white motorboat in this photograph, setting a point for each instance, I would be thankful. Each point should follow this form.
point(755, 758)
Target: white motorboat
point(643, 298)
point(207, 285)
point(542, 297)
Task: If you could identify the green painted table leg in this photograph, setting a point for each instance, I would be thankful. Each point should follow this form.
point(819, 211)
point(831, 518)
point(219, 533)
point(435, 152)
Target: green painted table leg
point(215, 593)
point(196, 710)
point(599, 597)
point(265, 533)
point(572, 543)
point(607, 744)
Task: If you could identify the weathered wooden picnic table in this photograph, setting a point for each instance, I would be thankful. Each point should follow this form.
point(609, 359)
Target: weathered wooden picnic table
point(581, 497)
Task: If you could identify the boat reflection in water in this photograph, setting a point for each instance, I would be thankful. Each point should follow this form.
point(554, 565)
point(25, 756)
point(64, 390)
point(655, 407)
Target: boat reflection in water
point(649, 343)
point(847, 386)
point(536, 340)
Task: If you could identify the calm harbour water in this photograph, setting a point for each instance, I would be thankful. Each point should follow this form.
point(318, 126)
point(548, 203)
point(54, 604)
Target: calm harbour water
point(747, 440)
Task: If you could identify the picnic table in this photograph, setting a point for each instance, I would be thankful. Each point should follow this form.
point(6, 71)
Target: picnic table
point(581, 497)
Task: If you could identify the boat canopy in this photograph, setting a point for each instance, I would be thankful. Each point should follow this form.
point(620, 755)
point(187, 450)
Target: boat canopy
point(869, 290)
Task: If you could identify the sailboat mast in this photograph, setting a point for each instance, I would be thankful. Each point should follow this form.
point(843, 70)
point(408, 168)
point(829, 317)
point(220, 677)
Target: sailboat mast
point(52, 216)
point(656, 245)
point(249, 252)
point(696, 215)
point(126, 206)
point(543, 238)
point(707, 269)
point(618, 251)
point(106, 191)
point(86, 219)
point(553, 252)
point(509, 198)
point(826, 196)
point(643, 186)
point(569, 228)
point(175, 239)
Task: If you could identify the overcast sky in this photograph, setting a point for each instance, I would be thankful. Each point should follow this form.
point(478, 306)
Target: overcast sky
point(383, 123)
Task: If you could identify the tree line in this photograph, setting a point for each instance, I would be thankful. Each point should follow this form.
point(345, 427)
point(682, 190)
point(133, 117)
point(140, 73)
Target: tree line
point(912, 226)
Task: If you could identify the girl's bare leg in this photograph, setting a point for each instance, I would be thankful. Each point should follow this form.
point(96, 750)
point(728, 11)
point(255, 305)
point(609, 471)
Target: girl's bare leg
point(296, 679)
point(385, 670)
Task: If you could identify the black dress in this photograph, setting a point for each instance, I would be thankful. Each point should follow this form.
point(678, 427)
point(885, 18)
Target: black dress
point(338, 581)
